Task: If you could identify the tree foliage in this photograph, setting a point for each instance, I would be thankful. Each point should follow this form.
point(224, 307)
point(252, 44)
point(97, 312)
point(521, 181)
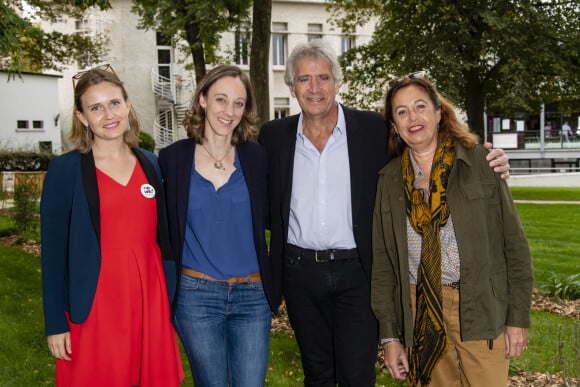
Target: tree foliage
point(198, 22)
point(482, 54)
point(25, 46)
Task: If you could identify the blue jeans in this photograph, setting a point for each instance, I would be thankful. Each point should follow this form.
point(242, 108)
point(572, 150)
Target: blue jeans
point(225, 330)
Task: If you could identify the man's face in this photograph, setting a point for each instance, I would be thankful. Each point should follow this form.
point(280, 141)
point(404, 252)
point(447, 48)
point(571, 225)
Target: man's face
point(314, 87)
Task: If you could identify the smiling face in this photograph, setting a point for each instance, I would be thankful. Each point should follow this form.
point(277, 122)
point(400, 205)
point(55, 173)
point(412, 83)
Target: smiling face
point(224, 105)
point(105, 111)
point(416, 118)
point(314, 87)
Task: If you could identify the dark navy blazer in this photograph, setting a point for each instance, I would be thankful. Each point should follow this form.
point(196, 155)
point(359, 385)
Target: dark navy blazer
point(70, 235)
point(366, 136)
point(176, 163)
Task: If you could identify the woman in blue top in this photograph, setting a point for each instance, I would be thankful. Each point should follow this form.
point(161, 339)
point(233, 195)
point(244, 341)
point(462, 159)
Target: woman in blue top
point(216, 185)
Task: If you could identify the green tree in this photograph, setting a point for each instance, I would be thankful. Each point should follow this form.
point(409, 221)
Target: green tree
point(25, 46)
point(198, 22)
point(510, 55)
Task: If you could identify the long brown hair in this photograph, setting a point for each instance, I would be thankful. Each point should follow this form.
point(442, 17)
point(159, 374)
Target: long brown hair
point(81, 136)
point(194, 121)
point(449, 123)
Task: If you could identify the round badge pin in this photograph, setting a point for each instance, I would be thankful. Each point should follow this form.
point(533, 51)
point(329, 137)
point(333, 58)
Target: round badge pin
point(148, 191)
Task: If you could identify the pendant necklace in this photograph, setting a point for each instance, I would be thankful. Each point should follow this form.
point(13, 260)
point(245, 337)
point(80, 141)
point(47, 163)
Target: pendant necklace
point(217, 163)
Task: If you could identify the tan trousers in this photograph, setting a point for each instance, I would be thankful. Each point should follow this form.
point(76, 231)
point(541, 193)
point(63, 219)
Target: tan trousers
point(468, 363)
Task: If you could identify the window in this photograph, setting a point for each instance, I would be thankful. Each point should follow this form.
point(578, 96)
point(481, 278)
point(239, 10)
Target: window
point(164, 55)
point(37, 124)
point(281, 108)
point(314, 31)
point(45, 146)
point(279, 44)
point(242, 45)
point(346, 43)
point(22, 124)
point(278, 50)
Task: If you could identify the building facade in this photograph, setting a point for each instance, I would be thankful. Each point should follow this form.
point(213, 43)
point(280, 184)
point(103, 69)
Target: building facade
point(30, 113)
point(153, 67)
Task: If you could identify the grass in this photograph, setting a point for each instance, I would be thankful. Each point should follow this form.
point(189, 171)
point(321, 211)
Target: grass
point(545, 193)
point(552, 232)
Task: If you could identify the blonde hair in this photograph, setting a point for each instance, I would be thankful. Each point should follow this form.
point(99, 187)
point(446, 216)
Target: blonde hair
point(81, 136)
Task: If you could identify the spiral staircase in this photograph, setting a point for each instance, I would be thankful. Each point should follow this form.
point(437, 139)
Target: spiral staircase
point(167, 127)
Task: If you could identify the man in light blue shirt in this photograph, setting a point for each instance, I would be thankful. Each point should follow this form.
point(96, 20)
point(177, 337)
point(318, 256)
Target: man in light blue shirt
point(324, 165)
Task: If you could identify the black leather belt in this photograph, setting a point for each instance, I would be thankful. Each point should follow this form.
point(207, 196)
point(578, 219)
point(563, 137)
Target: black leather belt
point(320, 256)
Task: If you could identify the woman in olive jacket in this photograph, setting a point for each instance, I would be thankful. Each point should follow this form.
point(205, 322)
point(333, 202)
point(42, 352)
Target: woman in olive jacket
point(493, 278)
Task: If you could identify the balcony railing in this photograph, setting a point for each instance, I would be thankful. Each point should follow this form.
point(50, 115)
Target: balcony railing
point(163, 132)
point(162, 86)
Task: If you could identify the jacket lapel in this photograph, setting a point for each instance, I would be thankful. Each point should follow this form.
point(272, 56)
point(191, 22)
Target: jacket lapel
point(287, 149)
point(184, 157)
point(91, 187)
point(356, 149)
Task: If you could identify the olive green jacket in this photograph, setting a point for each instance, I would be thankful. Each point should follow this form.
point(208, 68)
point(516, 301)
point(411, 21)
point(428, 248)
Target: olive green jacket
point(496, 267)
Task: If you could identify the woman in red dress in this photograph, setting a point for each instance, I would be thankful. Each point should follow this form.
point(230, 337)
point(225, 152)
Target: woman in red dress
point(105, 248)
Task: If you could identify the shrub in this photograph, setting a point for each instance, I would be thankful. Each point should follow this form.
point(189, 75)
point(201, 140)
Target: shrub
point(24, 161)
point(26, 219)
point(146, 141)
point(563, 287)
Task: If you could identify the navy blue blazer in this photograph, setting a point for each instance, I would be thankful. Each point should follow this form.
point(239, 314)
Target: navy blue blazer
point(70, 235)
point(176, 161)
point(366, 134)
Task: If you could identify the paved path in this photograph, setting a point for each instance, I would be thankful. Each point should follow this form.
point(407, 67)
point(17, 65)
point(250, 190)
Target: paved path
point(548, 201)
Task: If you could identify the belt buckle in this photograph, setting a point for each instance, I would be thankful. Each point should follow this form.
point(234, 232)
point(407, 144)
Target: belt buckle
point(322, 259)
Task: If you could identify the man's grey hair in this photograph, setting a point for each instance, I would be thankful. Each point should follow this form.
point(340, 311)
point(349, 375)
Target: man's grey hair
point(316, 49)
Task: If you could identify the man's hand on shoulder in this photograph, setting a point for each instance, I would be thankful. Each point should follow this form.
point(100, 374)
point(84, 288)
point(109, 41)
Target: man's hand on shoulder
point(498, 160)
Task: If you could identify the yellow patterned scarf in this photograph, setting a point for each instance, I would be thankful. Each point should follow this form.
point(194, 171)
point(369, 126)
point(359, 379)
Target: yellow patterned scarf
point(429, 339)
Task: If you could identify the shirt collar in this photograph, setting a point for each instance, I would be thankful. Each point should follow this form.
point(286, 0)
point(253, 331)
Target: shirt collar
point(340, 128)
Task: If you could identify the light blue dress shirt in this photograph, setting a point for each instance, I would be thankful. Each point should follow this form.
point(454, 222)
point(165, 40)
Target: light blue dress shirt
point(320, 204)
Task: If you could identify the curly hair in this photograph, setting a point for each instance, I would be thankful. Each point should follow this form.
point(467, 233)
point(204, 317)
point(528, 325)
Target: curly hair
point(449, 123)
point(194, 121)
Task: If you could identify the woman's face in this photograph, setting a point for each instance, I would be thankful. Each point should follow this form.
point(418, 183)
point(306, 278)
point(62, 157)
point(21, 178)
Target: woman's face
point(224, 104)
point(105, 111)
point(416, 118)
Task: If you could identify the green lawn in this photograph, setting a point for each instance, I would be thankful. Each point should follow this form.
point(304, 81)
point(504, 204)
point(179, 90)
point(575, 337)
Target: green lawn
point(553, 232)
point(545, 193)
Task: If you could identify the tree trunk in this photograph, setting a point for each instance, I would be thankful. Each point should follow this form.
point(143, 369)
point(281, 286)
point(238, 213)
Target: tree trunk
point(474, 103)
point(196, 47)
point(259, 57)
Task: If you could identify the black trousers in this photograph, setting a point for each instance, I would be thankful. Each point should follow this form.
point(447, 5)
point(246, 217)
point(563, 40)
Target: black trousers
point(329, 309)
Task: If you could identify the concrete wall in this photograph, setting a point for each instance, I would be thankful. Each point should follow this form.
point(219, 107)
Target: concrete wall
point(31, 97)
point(546, 180)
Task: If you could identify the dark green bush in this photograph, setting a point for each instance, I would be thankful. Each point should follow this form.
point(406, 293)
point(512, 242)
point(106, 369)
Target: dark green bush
point(146, 141)
point(24, 160)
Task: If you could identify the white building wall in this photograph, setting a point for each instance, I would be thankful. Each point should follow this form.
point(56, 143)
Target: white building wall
point(133, 54)
point(33, 97)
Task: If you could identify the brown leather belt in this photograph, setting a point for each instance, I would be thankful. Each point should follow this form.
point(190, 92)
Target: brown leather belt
point(254, 277)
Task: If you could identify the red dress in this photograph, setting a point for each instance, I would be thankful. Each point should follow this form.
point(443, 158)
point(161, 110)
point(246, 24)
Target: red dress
point(127, 339)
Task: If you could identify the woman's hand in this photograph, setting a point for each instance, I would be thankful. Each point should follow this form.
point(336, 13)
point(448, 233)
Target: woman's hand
point(60, 346)
point(516, 341)
point(396, 359)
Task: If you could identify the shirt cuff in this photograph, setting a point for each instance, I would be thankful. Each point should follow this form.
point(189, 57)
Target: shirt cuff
point(385, 341)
